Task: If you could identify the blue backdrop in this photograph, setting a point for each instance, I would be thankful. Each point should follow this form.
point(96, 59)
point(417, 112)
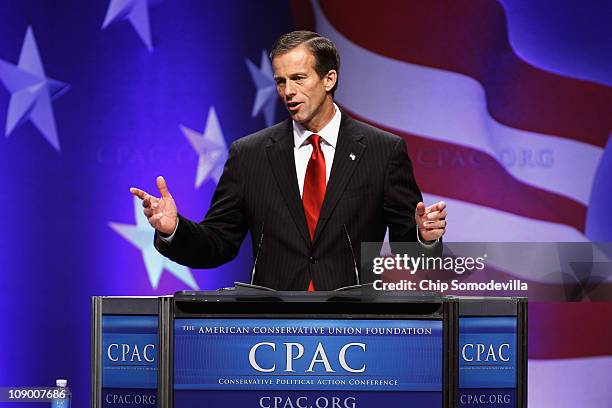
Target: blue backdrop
point(118, 125)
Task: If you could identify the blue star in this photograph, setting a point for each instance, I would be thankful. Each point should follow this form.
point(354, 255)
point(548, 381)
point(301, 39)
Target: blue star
point(141, 236)
point(210, 147)
point(137, 12)
point(31, 91)
point(265, 98)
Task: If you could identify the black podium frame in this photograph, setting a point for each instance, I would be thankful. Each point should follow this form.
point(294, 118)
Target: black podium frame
point(359, 303)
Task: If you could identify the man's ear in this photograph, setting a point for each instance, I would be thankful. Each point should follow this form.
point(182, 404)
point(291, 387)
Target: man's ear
point(330, 79)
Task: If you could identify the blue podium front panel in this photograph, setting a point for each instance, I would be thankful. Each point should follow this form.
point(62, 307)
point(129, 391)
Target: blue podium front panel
point(307, 363)
point(129, 361)
point(487, 362)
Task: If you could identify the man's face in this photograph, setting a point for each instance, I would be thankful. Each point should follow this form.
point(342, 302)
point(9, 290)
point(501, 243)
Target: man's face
point(300, 87)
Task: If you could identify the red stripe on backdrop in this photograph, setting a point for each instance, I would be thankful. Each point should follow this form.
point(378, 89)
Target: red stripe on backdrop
point(470, 37)
point(570, 330)
point(302, 15)
point(473, 176)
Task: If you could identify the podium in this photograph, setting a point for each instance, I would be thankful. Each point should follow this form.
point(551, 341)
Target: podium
point(355, 348)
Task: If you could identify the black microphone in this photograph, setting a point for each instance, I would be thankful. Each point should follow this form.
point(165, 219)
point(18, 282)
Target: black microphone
point(257, 253)
point(348, 237)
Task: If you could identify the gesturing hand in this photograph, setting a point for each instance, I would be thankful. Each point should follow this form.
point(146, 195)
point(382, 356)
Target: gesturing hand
point(161, 212)
point(431, 220)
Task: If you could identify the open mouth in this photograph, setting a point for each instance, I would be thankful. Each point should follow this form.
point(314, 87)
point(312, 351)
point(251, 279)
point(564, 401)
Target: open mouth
point(292, 106)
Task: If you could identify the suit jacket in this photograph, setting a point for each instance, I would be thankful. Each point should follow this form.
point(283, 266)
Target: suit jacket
point(258, 192)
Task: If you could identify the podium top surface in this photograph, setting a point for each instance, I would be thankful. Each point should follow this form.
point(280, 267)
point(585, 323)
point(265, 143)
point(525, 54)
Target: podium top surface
point(357, 295)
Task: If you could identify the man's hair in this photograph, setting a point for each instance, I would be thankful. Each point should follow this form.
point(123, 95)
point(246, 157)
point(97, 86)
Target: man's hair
point(325, 52)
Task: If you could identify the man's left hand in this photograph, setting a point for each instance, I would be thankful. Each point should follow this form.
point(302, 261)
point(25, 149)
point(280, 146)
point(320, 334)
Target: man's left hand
point(431, 221)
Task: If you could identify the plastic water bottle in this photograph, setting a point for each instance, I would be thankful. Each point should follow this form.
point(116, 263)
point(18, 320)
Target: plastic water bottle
point(63, 395)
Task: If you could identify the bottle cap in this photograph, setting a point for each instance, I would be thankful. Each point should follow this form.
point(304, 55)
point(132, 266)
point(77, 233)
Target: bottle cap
point(61, 383)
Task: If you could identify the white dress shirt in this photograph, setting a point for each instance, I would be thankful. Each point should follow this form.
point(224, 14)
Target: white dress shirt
point(302, 149)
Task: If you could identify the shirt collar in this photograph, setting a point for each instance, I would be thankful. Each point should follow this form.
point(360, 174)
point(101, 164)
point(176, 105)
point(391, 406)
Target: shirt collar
point(329, 133)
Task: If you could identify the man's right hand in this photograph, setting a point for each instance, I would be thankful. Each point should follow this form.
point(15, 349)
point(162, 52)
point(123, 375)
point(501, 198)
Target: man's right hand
point(161, 212)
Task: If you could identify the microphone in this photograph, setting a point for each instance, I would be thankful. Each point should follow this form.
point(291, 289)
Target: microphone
point(257, 253)
point(348, 237)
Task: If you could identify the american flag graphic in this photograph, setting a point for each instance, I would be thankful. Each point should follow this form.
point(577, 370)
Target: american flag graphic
point(517, 151)
point(507, 144)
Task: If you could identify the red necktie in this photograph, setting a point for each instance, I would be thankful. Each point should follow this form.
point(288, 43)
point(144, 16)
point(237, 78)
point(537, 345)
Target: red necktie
point(314, 188)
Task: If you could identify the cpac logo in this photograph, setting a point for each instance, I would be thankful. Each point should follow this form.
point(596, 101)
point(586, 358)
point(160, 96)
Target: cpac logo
point(482, 353)
point(132, 353)
point(295, 351)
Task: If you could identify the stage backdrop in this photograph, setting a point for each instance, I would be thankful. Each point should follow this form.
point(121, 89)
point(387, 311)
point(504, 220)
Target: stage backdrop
point(506, 108)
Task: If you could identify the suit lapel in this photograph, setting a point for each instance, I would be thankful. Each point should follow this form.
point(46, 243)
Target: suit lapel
point(349, 151)
point(282, 161)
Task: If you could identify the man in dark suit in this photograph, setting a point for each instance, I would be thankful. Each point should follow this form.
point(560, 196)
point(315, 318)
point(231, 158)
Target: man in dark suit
point(309, 189)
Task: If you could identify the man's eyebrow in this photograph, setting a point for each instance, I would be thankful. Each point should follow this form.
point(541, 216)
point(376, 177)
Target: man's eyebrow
point(292, 75)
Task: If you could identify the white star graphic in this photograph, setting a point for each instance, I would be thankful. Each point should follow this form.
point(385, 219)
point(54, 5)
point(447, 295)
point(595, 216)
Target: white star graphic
point(141, 236)
point(137, 12)
point(31, 91)
point(210, 147)
point(265, 98)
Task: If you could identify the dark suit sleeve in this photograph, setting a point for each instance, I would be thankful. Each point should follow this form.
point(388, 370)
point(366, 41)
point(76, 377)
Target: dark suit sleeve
point(401, 195)
point(217, 239)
